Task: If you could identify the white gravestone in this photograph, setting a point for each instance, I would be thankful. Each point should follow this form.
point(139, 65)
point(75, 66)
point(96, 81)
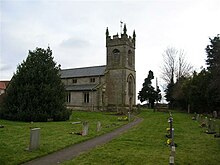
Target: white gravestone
point(34, 139)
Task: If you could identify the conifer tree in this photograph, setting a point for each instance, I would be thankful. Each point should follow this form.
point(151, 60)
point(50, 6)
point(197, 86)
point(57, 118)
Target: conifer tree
point(36, 92)
point(148, 93)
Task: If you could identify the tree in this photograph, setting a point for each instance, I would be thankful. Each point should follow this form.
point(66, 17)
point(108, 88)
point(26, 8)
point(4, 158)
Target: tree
point(169, 93)
point(36, 92)
point(169, 67)
point(213, 62)
point(175, 65)
point(148, 93)
point(184, 68)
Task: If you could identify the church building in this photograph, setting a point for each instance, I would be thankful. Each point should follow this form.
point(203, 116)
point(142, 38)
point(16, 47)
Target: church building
point(110, 87)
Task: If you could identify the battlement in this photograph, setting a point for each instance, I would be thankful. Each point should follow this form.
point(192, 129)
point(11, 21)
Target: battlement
point(124, 39)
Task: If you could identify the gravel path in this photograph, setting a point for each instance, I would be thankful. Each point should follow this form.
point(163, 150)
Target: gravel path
point(76, 149)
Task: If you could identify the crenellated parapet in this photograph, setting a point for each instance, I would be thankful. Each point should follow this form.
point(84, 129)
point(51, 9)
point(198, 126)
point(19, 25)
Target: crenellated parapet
point(124, 39)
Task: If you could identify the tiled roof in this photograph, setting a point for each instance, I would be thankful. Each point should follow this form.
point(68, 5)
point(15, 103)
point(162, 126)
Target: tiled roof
point(4, 84)
point(83, 72)
point(85, 87)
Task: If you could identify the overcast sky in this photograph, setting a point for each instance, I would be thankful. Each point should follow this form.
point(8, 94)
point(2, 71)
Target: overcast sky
point(75, 31)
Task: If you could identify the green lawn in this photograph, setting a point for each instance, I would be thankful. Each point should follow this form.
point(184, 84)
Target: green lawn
point(145, 144)
point(14, 138)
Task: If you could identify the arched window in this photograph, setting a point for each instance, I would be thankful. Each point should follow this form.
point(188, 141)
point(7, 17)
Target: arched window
point(130, 86)
point(116, 56)
point(130, 58)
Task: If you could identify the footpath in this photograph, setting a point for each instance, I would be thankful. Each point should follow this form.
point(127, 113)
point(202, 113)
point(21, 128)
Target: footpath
point(76, 149)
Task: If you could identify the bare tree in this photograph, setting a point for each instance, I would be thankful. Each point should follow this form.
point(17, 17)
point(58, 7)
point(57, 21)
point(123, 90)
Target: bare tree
point(184, 68)
point(175, 65)
point(169, 67)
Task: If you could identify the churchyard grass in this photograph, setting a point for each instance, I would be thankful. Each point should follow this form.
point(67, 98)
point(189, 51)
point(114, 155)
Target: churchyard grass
point(15, 136)
point(146, 144)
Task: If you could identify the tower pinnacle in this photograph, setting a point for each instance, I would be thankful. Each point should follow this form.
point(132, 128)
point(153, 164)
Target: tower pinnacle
point(107, 32)
point(125, 29)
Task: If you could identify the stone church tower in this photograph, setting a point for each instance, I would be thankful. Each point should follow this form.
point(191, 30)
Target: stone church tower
point(120, 71)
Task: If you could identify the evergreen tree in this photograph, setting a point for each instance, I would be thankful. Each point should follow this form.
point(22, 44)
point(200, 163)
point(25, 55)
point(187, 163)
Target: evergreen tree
point(36, 92)
point(148, 93)
point(213, 62)
point(169, 93)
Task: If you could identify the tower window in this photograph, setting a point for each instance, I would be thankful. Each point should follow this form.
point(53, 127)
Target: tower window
point(116, 56)
point(130, 86)
point(86, 97)
point(129, 58)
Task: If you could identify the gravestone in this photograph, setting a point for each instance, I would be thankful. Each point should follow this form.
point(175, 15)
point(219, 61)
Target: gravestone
point(215, 115)
point(206, 121)
point(173, 150)
point(197, 117)
point(129, 116)
point(85, 128)
point(171, 162)
point(77, 122)
point(211, 127)
point(98, 126)
point(217, 135)
point(34, 139)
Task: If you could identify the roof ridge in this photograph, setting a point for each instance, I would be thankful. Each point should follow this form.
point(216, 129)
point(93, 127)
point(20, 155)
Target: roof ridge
point(84, 67)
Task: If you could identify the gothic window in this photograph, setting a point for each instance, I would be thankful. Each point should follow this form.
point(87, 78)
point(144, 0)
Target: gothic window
point(129, 58)
point(130, 86)
point(116, 56)
point(86, 97)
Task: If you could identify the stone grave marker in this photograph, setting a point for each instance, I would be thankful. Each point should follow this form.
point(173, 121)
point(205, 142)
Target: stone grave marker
point(215, 115)
point(34, 139)
point(197, 117)
point(77, 122)
point(217, 135)
point(85, 128)
point(129, 116)
point(98, 126)
point(211, 127)
point(206, 121)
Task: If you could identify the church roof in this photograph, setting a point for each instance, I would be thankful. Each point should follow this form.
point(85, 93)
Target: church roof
point(83, 72)
point(84, 87)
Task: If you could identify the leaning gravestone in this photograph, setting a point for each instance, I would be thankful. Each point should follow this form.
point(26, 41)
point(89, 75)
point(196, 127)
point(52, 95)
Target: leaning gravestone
point(98, 126)
point(34, 139)
point(85, 128)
